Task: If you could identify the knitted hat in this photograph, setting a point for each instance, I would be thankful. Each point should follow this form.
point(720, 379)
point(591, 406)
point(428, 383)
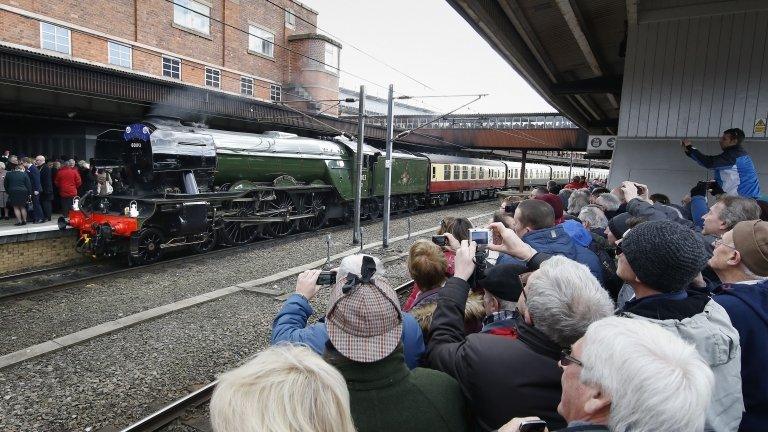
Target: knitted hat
point(751, 240)
point(618, 225)
point(364, 320)
point(664, 254)
point(503, 281)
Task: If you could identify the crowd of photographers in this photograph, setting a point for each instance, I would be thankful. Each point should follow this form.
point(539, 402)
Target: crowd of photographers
point(576, 310)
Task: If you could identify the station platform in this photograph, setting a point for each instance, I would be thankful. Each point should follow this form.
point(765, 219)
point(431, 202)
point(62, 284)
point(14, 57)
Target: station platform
point(36, 246)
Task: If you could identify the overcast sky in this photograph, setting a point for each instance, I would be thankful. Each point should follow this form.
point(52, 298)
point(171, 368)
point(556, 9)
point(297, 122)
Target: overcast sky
point(428, 40)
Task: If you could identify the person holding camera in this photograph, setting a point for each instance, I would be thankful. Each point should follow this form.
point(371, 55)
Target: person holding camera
point(290, 324)
point(673, 386)
point(734, 170)
point(561, 299)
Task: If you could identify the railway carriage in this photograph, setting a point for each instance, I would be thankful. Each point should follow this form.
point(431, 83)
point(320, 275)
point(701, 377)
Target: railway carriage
point(455, 178)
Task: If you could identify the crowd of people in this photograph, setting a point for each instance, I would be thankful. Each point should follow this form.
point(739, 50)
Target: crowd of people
point(588, 310)
point(32, 189)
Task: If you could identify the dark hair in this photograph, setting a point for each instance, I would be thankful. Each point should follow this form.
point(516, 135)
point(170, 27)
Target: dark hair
point(736, 134)
point(502, 217)
point(536, 214)
point(460, 228)
point(600, 190)
point(763, 209)
point(660, 198)
point(541, 189)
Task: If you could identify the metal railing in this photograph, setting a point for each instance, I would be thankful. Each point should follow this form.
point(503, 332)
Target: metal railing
point(480, 121)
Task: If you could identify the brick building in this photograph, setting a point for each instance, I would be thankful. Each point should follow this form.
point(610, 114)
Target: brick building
point(265, 50)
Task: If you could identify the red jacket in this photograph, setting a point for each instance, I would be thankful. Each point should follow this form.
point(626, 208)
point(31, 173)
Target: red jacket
point(68, 180)
point(575, 185)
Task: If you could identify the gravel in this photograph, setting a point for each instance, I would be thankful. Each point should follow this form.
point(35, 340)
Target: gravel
point(109, 382)
point(41, 317)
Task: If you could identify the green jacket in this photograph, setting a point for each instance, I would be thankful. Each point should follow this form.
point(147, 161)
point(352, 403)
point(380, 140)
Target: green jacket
point(386, 397)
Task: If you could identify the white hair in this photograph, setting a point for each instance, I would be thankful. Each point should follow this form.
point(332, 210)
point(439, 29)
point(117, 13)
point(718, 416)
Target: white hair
point(284, 388)
point(608, 201)
point(353, 263)
point(594, 215)
point(577, 201)
point(656, 381)
point(564, 298)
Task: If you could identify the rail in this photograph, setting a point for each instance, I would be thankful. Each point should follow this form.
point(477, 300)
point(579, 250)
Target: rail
point(164, 416)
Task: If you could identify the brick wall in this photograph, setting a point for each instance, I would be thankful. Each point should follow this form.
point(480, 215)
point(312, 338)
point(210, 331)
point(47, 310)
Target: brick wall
point(150, 22)
point(40, 253)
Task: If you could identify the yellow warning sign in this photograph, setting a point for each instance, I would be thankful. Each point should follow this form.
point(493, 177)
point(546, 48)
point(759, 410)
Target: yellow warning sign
point(759, 126)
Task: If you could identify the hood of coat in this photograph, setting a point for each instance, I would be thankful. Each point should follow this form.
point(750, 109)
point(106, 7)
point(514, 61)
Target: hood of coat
point(473, 311)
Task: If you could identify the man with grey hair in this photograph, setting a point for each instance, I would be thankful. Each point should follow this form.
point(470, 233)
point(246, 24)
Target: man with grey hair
point(290, 324)
point(673, 387)
point(577, 201)
point(561, 299)
point(610, 204)
point(592, 217)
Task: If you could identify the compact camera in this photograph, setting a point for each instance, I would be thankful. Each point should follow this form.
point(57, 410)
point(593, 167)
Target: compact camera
point(480, 236)
point(326, 278)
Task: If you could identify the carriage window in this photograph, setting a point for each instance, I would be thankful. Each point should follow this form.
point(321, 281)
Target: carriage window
point(446, 172)
point(481, 174)
point(473, 172)
point(434, 173)
point(456, 172)
point(464, 172)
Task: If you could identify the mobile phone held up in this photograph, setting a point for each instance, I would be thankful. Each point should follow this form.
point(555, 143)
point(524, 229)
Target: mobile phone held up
point(533, 426)
point(440, 240)
point(480, 236)
point(326, 278)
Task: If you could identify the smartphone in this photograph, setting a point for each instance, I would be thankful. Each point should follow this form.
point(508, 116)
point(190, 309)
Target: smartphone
point(481, 236)
point(533, 426)
point(440, 240)
point(326, 278)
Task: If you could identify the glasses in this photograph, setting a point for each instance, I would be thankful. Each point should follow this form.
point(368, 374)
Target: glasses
point(720, 241)
point(566, 359)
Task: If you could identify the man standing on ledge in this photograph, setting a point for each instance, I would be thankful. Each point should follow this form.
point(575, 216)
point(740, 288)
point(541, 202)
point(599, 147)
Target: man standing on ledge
point(734, 170)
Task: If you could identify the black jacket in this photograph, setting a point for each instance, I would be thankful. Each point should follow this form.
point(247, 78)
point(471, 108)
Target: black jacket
point(46, 180)
point(502, 378)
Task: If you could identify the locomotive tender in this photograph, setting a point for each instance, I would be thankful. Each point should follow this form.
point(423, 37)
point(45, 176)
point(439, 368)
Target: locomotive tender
point(188, 186)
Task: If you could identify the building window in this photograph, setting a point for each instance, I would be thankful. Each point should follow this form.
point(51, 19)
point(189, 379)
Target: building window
point(55, 38)
point(246, 86)
point(119, 54)
point(275, 93)
point(290, 19)
point(457, 172)
point(331, 57)
point(192, 15)
point(261, 41)
point(172, 67)
point(212, 77)
point(446, 172)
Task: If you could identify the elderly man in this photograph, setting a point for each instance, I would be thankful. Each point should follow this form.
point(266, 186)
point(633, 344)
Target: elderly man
point(501, 291)
point(610, 204)
point(507, 377)
point(577, 201)
point(668, 393)
point(724, 214)
point(535, 224)
point(34, 178)
point(46, 186)
point(365, 325)
point(659, 260)
point(740, 260)
point(593, 218)
point(290, 324)
point(734, 170)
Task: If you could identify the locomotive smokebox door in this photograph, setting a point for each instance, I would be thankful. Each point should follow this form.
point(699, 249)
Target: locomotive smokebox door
point(193, 218)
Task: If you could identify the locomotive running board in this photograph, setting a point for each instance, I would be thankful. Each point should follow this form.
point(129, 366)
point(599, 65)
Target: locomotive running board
point(258, 220)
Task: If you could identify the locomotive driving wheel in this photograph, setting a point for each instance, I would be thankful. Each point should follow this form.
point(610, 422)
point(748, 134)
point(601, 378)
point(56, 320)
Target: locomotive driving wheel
point(211, 238)
point(313, 204)
point(281, 206)
point(148, 250)
point(236, 233)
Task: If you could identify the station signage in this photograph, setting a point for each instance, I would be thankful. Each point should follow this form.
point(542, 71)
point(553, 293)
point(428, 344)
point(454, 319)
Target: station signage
point(598, 143)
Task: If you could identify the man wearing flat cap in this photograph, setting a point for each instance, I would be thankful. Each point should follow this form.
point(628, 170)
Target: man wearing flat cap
point(740, 260)
point(502, 287)
point(659, 260)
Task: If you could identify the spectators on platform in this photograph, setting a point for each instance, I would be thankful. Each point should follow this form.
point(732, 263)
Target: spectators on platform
point(19, 189)
point(55, 166)
point(556, 204)
point(365, 325)
point(5, 211)
point(578, 182)
point(593, 218)
point(560, 300)
point(87, 176)
point(13, 160)
point(553, 187)
point(734, 169)
point(740, 260)
point(68, 181)
point(290, 324)
point(723, 215)
point(539, 191)
point(596, 192)
point(577, 201)
point(103, 183)
point(501, 291)
point(46, 187)
point(667, 391)
point(4, 157)
point(564, 195)
point(34, 176)
point(609, 203)
point(660, 259)
point(283, 389)
point(535, 224)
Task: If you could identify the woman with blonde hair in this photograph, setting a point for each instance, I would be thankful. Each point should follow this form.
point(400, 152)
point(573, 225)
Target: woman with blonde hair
point(285, 388)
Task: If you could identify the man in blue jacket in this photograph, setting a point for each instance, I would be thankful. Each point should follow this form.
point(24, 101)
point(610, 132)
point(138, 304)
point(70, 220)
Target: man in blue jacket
point(535, 223)
point(290, 324)
point(734, 170)
point(740, 260)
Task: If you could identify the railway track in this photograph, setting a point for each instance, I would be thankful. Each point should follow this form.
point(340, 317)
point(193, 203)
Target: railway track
point(34, 282)
point(178, 408)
